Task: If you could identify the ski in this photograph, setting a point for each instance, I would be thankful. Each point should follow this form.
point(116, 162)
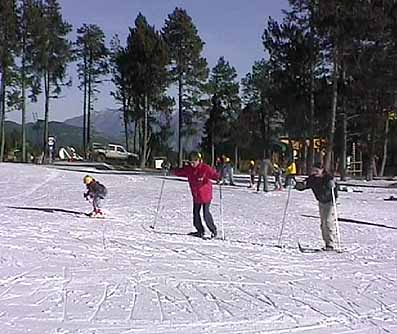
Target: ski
point(304, 249)
point(204, 237)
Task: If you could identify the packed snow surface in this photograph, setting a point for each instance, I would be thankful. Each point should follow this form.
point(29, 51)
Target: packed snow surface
point(62, 272)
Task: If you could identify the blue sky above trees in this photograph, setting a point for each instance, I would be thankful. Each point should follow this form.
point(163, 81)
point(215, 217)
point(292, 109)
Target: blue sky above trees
point(229, 28)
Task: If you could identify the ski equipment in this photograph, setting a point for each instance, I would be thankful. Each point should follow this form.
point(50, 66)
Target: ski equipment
point(221, 210)
point(284, 215)
point(336, 220)
point(158, 205)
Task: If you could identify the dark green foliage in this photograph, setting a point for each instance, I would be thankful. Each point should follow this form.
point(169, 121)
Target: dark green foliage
point(92, 54)
point(141, 77)
point(188, 70)
point(224, 108)
point(51, 53)
point(8, 50)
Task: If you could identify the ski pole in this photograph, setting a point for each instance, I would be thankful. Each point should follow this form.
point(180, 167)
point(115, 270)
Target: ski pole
point(336, 219)
point(284, 215)
point(221, 210)
point(158, 204)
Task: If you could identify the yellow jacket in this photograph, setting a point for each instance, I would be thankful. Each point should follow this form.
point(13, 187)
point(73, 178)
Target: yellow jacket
point(291, 169)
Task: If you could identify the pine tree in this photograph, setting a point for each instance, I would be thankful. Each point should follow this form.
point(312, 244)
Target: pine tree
point(51, 55)
point(225, 105)
point(93, 54)
point(148, 78)
point(188, 70)
point(8, 43)
point(118, 61)
point(29, 14)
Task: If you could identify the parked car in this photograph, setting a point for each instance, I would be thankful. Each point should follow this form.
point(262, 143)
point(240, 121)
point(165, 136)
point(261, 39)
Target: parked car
point(100, 152)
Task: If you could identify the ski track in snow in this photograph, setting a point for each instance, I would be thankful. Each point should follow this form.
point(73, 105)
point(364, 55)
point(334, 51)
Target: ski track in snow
point(61, 272)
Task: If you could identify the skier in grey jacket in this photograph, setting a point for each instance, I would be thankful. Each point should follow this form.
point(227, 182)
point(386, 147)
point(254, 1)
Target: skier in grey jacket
point(322, 183)
point(265, 167)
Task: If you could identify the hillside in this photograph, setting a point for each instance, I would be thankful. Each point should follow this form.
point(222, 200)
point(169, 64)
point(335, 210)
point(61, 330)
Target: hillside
point(66, 135)
point(109, 123)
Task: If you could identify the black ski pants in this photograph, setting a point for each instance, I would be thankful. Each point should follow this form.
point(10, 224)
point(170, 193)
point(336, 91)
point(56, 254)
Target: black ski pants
point(207, 218)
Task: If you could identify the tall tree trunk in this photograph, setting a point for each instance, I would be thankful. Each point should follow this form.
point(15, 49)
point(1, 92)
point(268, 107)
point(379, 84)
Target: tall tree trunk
point(23, 102)
point(310, 152)
point(145, 132)
point(135, 135)
point(212, 154)
point(2, 114)
point(236, 159)
point(89, 109)
point(385, 144)
point(85, 108)
point(331, 130)
point(46, 113)
point(125, 119)
point(342, 163)
point(212, 139)
point(371, 155)
point(180, 121)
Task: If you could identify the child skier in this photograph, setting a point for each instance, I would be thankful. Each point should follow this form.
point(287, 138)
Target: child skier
point(96, 192)
point(199, 176)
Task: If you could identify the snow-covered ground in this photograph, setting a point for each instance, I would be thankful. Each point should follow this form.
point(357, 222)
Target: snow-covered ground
point(64, 273)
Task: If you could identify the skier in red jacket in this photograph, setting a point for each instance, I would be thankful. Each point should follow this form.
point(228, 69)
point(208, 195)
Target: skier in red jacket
point(199, 176)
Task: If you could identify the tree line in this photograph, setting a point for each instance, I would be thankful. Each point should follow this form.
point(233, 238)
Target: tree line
point(328, 71)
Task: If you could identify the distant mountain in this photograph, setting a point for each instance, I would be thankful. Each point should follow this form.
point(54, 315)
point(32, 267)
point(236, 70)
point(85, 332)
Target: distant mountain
point(108, 123)
point(66, 135)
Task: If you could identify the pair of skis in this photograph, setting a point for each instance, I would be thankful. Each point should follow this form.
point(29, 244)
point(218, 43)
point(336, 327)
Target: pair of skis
point(305, 249)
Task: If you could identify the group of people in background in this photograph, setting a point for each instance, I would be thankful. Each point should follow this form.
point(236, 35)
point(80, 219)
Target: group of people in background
point(264, 168)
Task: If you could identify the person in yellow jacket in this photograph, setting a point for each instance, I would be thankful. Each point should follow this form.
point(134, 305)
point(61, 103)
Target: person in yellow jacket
point(290, 173)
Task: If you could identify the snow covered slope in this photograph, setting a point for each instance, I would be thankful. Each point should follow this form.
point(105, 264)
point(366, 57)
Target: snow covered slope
point(63, 273)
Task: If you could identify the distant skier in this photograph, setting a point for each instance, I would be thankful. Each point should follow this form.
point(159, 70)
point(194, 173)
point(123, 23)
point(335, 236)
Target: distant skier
point(96, 192)
point(252, 173)
point(166, 167)
point(199, 176)
point(277, 177)
point(322, 183)
point(264, 168)
point(290, 174)
point(219, 165)
point(227, 170)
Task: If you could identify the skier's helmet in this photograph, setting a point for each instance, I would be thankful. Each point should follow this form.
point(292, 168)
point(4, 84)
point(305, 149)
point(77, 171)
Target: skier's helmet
point(87, 179)
point(195, 156)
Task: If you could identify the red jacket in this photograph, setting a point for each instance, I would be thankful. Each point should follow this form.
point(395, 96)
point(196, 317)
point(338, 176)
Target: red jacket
point(199, 179)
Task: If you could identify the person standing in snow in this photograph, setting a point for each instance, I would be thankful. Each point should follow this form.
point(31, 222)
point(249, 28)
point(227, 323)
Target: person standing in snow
point(96, 192)
point(199, 176)
point(227, 170)
point(290, 174)
point(263, 170)
point(322, 183)
point(219, 166)
point(252, 172)
point(277, 177)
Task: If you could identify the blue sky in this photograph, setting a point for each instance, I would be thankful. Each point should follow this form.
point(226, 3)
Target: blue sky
point(229, 28)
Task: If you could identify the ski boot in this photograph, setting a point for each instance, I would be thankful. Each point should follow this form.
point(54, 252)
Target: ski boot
point(97, 213)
